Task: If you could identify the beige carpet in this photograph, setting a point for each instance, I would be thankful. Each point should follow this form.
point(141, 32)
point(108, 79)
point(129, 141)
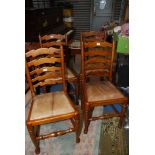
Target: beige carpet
point(113, 141)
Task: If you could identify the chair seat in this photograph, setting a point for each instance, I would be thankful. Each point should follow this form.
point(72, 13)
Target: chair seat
point(101, 91)
point(50, 104)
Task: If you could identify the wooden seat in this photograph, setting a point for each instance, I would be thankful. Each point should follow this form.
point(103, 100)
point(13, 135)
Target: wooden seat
point(97, 61)
point(58, 39)
point(45, 67)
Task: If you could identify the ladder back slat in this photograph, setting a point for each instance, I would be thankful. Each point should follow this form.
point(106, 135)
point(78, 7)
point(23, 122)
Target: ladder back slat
point(43, 61)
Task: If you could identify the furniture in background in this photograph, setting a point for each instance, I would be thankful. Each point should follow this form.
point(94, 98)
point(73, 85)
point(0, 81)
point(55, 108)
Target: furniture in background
point(93, 36)
point(51, 107)
point(43, 21)
point(70, 75)
point(97, 61)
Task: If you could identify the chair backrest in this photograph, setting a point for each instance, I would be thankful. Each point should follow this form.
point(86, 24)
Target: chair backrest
point(52, 39)
point(45, 66)
point(93, 36)
point(97, 59)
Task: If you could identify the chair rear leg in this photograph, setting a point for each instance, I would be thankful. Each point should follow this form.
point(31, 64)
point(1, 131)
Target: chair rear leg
point(76, 92)
point(33, 138)
point(124, 106)
point(86, 120)
point(77, 124)
point(82, 96)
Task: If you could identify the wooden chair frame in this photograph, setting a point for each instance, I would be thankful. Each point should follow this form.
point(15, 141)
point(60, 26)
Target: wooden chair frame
point(33, 125)
point(59, 39)
point(88, 106)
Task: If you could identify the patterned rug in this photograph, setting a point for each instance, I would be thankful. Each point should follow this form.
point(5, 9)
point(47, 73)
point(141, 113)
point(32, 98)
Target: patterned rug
point(114, 141)
point(66, 144)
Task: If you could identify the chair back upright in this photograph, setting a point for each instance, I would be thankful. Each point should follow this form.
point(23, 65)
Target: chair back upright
point(45, 66)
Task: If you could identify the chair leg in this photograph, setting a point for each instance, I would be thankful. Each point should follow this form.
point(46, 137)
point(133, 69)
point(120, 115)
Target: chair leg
point(86, 118)
point(122, 115)
point(76, 91)
point(82, 96)
point(77, 123)
point(33, 138)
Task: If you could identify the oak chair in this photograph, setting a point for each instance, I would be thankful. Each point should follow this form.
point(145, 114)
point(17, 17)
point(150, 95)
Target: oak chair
point(97, 61)
point(45, 66)
point(59, 39)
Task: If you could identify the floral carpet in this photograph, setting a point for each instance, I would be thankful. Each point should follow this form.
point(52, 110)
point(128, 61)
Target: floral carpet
point(66, 144)
point(114, 141)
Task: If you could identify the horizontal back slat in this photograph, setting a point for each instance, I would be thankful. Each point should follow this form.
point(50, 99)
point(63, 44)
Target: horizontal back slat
point(53, 75)
point(42, 51)
point(43, 61)
point(97, 53)
point(97, 66)
point(97, 44)
point(49, 44)
point(45, 69)
point(97, 60)
point(48, 82)
point(52, 36)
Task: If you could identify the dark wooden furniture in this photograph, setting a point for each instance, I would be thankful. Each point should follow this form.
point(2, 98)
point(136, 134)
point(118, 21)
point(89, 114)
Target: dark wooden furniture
point(45, 66)
point(97, 61)
point(70, 75)
point(43, 21)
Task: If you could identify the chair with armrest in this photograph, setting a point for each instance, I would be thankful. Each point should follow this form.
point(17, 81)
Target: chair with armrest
point(97, 61)
point(45, 66)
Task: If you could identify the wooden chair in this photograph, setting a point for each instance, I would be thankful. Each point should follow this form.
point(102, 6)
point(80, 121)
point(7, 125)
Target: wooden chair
point(45, 66)
point(97, 60)
point(58, 39)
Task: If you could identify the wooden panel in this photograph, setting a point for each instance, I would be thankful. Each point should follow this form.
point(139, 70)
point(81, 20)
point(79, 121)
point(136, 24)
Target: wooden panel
point(97, 44)
point(98, 73)
point(53, 75)
point(95, 60)
point(47, 83)
point(45, 69)
point(97, 52)
point(52, 36)
point(49, 44)
point(97, 66)
point(43, 61)
point(42, 51)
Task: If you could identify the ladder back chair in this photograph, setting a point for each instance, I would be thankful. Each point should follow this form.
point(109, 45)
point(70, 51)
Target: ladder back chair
point(45, 66)
point(59, 39)
point(97, 61)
